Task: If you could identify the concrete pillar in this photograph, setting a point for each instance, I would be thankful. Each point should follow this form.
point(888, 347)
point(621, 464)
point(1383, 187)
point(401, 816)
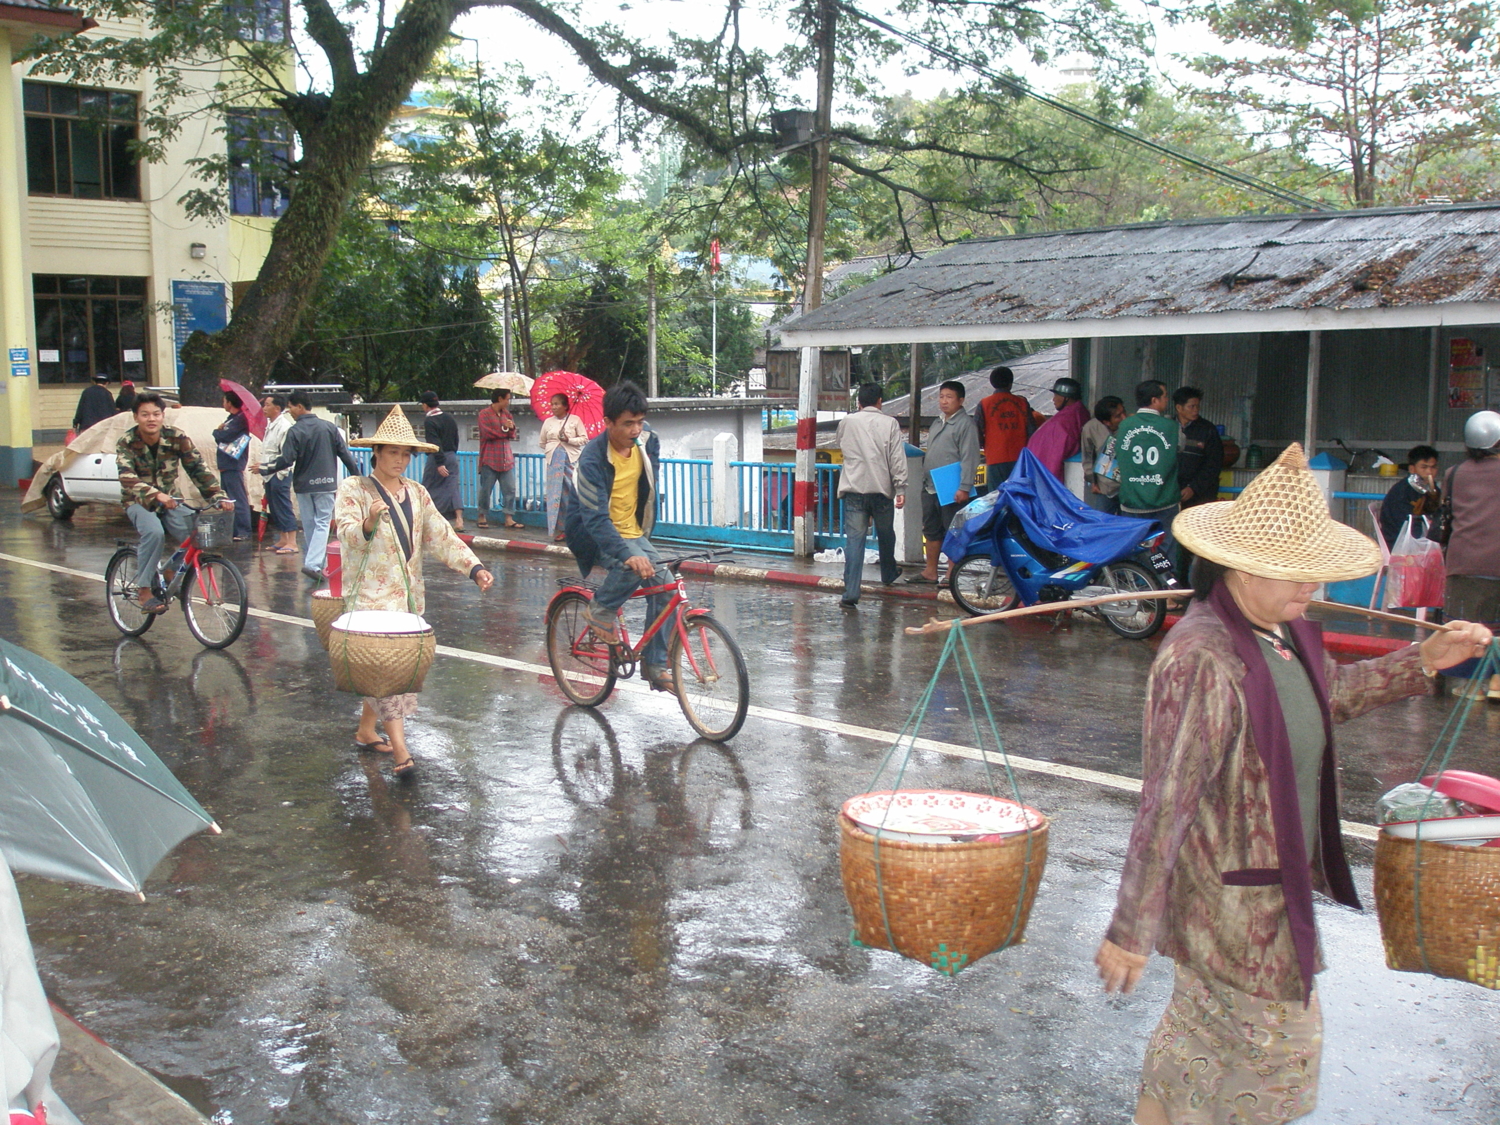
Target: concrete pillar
point(18, 376)
point(723, 485)
point(909, 518)
point(1314, 374)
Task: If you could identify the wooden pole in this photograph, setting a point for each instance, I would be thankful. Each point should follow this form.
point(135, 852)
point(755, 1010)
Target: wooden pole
point(1314, 371)
point(936, 626)
point(653, 383)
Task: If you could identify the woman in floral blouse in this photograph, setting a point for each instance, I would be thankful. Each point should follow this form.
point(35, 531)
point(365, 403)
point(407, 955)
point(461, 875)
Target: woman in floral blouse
point(1239, 816)
point(385, 523)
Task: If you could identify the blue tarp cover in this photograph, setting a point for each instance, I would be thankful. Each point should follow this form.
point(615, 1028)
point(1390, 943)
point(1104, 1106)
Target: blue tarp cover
point(1053, 518)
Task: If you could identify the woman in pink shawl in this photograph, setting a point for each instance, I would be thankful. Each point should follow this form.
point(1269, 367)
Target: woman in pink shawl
point(1061, 435)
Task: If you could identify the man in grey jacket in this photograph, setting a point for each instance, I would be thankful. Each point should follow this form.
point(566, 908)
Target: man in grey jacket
point(951, 438)
point(872, 486)
point(312, 449)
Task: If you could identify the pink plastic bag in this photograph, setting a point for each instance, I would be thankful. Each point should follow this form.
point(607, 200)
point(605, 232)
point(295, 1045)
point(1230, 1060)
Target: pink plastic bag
point(1417, 574)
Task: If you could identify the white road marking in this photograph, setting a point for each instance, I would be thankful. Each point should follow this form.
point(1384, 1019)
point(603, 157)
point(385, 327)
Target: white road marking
point(770, 714)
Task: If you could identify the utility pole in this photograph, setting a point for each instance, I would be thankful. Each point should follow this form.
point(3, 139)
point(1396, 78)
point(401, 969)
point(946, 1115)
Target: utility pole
point(812, 287)
point(714, 339)
point(505, 337)
point(653, 384)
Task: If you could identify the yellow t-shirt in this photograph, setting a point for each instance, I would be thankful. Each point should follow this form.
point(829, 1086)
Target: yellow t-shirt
point(625, 495)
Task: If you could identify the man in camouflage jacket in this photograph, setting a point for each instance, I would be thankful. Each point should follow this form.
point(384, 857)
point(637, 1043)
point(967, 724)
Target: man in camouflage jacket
point(149, 457)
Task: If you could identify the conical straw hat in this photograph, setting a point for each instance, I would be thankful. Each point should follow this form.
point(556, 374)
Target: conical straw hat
point(396, 430)
point(1279, 528)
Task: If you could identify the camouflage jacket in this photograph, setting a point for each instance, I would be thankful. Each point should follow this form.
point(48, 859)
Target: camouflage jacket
point(148, 469)
point(1202, 882)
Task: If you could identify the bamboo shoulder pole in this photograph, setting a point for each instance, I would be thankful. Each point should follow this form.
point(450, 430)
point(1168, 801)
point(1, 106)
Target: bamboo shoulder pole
point(936, 626)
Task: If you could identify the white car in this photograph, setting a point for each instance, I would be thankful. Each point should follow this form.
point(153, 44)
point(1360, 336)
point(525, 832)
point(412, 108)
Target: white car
point(92, 478)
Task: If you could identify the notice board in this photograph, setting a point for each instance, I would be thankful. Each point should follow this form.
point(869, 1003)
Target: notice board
point(196, 305)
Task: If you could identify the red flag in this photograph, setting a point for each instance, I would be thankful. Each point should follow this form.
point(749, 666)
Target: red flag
point(713, 249)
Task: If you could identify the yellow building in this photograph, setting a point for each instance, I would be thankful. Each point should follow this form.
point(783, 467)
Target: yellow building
point(102, 270)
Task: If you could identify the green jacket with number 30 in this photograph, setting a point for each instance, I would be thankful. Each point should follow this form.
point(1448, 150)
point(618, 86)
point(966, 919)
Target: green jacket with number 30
point(1146, 451)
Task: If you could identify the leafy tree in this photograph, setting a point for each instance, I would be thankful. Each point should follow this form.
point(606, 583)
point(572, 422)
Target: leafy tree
point(712, 92)
point(1388, 91)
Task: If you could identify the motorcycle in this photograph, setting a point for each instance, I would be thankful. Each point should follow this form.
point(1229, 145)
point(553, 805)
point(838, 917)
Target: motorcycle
point(1031, 541)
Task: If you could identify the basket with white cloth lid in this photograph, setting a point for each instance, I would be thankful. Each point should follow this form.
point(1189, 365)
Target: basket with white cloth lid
point(380, 652)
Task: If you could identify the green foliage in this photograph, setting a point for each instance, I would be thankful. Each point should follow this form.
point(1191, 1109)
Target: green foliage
point(1394, 93)
point(392, 318)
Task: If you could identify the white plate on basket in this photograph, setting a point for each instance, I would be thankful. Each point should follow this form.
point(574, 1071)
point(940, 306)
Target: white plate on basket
point(939, 816)
point(1449, 829)
point(380, 621)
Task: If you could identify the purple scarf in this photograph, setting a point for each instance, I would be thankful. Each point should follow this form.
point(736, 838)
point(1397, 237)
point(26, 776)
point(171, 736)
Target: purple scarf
point(1268, 728)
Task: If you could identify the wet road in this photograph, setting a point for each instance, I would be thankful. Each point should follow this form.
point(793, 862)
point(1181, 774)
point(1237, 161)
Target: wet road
point(586, 917)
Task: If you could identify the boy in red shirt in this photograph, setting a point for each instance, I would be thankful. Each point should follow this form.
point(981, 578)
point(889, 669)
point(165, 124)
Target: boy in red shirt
point(1004, 425)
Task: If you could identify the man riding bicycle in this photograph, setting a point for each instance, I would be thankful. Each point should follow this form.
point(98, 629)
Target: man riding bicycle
point(149, 456)
point(611, 508)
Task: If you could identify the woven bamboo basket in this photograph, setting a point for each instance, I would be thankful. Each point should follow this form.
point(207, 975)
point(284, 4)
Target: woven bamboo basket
point(372, 663)
point(1458, 932)
point(326, 609)
point(947, 904)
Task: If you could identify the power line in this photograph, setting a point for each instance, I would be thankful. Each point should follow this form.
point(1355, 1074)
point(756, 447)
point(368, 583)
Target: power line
point(1253, 183)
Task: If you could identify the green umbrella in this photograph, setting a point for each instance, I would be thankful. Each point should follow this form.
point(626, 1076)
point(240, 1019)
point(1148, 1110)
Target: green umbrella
point(82, 798)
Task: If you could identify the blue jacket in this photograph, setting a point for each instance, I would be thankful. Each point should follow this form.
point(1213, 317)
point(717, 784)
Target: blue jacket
point(233, 440)
point(591, 533)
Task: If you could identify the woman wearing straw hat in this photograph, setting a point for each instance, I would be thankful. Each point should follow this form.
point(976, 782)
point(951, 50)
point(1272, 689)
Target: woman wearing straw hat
point(385, 522)
point(1239, 816)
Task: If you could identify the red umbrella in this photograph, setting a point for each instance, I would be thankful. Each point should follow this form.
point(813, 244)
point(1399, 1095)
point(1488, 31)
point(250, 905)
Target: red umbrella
point(254, 415)
point(585, 398)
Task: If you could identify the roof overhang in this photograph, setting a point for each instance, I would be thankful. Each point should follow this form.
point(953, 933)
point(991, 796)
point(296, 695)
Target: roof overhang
point(26, 23)
point(1185, 324)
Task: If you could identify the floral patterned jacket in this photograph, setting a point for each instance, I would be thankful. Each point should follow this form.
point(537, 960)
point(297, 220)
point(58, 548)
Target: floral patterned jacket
point(146, 470)
point(1202, 881)
point(373, 567)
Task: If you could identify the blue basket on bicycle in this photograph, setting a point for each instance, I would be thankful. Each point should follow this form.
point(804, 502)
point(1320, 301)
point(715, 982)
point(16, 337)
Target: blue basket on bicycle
point(213, 529)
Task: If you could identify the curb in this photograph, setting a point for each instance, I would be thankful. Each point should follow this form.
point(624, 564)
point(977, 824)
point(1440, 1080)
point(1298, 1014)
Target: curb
point(103, 1087)
point(1345, 644)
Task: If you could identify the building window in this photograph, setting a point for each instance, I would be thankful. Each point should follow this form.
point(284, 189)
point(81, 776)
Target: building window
point(78, 142)
point(87, 326)
point(260, 155)
point(258, 21)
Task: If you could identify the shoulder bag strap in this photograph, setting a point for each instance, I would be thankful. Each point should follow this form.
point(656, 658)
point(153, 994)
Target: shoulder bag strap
point(399, 522)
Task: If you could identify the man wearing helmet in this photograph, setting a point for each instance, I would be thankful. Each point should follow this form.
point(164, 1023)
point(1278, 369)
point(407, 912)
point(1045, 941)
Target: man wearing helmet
point(1061, 435)
point(1471, 510)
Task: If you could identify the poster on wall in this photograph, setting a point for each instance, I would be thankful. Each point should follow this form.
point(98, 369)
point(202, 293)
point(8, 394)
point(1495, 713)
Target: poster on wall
point(195, 305)
point(1465, 375)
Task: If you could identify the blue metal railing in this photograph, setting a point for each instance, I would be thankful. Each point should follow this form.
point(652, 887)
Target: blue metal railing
point(685, 492)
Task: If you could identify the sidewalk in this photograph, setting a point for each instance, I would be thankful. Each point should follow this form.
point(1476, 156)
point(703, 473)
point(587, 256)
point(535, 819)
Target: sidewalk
point(103, 1087)
point(1347, 636)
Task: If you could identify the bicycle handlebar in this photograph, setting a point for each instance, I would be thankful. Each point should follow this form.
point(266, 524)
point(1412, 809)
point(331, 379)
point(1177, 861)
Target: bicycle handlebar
point(712, 553)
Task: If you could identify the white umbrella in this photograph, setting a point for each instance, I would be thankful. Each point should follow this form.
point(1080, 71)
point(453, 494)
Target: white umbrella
point(512, 381)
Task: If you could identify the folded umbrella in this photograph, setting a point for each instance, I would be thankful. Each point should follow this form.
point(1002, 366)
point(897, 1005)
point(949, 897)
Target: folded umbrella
point(83, 798)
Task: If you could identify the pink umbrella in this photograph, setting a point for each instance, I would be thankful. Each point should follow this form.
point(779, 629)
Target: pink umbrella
point(585, 398)
point(255, 417)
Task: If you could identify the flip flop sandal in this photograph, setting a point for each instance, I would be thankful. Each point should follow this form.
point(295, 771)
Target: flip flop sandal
point(663, 681)
point(512, 523)
point(405, 772)
point(379, 746)
point(921, 580)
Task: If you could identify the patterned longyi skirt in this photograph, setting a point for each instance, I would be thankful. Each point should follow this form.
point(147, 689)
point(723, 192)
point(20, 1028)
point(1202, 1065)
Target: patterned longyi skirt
point(1224, 1057)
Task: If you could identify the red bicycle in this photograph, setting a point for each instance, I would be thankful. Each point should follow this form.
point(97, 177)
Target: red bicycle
point(215, 599)
point(707, 668)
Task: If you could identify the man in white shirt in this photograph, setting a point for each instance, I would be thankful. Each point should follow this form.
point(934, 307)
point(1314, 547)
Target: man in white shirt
point(279, 486)
point(872, 486)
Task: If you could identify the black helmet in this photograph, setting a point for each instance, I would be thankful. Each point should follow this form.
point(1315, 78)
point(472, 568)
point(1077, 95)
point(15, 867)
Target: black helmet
point(1068, 388)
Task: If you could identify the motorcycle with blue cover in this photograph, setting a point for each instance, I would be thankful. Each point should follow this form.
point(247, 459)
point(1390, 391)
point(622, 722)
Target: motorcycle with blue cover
point(1031, 541)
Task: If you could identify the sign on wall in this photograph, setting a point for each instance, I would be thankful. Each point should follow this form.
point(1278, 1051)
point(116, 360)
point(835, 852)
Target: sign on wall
point(196, 305)
point(1465, 375)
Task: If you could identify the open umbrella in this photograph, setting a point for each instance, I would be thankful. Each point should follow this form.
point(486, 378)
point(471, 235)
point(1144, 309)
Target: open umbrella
point(512, 381)
point(586, 398)
point(254, 415)
point(82, 797)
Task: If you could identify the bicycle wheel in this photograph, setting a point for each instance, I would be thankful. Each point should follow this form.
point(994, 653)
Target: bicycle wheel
point(580, 664)
point(1135, 621)
point(978, 586)
point(215, 601)
point(119, 594)
point(712, 684)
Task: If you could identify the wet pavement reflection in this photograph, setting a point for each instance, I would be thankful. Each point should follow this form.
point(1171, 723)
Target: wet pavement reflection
point(586, 915)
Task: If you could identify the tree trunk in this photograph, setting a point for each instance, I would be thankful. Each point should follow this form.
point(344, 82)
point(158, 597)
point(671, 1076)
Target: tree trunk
point(336, 151)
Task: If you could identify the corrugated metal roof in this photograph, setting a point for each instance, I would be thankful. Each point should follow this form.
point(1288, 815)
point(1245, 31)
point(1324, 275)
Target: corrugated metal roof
point(1371, 259)
point(1035, 374)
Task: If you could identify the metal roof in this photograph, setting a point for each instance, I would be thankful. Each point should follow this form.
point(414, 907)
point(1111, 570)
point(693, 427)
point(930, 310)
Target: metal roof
point(1035, 374)
point(1381, 267)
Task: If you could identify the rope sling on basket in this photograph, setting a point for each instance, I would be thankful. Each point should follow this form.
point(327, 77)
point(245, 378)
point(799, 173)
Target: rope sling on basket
point(379, 653)
point(1439, 903)
point(940, 876)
